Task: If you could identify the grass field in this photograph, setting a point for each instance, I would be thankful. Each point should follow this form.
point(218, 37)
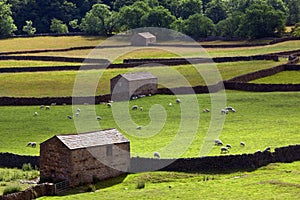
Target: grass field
point(275, 181)
point(285, 77)
point(61, 83)
point(262, 119)
point(32, 63)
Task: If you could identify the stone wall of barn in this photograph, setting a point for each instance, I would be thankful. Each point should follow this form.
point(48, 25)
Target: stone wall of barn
point(97, 163)
point(54, 161)
point(143, 87)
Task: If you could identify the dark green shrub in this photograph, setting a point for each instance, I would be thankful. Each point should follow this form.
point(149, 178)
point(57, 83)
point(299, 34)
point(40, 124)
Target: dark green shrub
point(11, 189)
point(27, 167)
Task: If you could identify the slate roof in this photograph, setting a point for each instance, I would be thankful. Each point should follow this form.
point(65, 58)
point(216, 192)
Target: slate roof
point(92, 139)
point(146, 35)
point(138, 76)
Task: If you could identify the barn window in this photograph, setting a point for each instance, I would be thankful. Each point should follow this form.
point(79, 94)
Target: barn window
point(109, 150)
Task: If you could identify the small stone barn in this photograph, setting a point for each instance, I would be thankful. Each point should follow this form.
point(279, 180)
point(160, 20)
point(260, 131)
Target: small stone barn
point(143, 39)
point(124, 86)
point(80, 158)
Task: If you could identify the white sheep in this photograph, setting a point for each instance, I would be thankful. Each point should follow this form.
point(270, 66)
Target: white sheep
point(109, 105)
point(77, 114)
point(135, 107)
point(178, 101)
point(98, 118)
point(231, 109)
point(156, 155)
point(78, 110)
point(224, 149)
point(224, 111)
point(47, 107)
point(206, 110)
point(228, 146)
point(218, 142)
point(242, 144)
point(53, 104)
point(69, 117)
point(35, 113)
point(141, 108)
point(170, 104)
point(31, 144)
point(139, 128)
point(42, 106)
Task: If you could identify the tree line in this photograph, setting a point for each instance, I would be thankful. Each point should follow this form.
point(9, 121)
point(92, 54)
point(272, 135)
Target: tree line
point(197, 18)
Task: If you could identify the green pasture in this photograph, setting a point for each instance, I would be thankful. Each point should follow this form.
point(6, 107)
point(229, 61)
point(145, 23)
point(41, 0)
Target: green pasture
point(32, 63)
point(61, 83)
point(261, 120)
point(285, 77)
point(274, 181)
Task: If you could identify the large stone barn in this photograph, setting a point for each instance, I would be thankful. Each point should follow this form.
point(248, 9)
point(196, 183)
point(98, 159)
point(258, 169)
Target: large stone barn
point(124, 86)
point(143, 39)
point(82, 158)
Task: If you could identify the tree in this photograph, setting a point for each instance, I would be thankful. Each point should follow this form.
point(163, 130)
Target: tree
point(187, 8)
point(294, 12)
point(74, 24)
point(130, 16)
point(198, 26)
point(296, 30)
point(158, 17)
point(7, 26)
point(262, 20)
point(58, 26)
point(28, 28)
point(99, 20)
point(229, 27)
point(216, 10)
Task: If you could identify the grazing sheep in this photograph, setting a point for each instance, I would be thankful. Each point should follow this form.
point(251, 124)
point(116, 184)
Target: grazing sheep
point(109, 105)
point(206, 110)
point(242, 144)
point(141, 108)
point(149, 95)
point(78, 110)
point(134, 98)
point(223, 111)
point(110, 101)
point(98, 118)
point(218, 142)
point(224, 149)
point(77, 114)
point(64, 104)
point(228, 146)
point(47, 107)
point(267, 149)
point(69, 117)
point(53, 104)
point(139, 128)
point(42, 106)
point(135, 107)
point(178, 101)
point(231, 109)
point(36, 114)
point(141, 96)
point(31, 144)
point(156, 155)
point(170, 104)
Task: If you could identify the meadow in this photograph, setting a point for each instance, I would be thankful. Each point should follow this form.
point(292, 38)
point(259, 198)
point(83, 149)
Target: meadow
point(285, 77)
point(61, 83)
point(275, 181)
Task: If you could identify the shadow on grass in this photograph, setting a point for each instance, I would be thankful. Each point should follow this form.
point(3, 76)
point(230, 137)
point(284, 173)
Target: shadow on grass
point(94, 186)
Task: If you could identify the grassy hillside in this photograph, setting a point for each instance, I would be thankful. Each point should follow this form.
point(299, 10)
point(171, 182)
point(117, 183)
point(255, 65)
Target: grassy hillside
point(275, 181)
point(61, 83)
point(285, 77)
point(262, 119)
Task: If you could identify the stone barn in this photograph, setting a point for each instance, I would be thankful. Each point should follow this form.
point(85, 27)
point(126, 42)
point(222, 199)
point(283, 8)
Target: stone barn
point(124, 86)
point(143, 39)
point(82, 158)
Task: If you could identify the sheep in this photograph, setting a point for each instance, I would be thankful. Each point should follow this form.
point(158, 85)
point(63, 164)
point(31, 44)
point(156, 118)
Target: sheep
point(231, 109)
point(206, 110)
point(156, 155)
point(242, 144)
point(139, 128)
point(135, 107)
point(42, 107)
point(64, 104)
point(178, 101)
point(109, 105)
point(69, 117)
point(110, 101)
point(47, 107)
point(170, 104)
point(223, 111)
point(218, 142)
point(53, 104)
point(98, 118)
point(77, 114)
point(36, 114)
point(267, 149)
point(141, 108)
point(134, 98)
point(149, 95)
point(78, 110)
point(228, 146)
point(224, 149)
point(31, 144)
